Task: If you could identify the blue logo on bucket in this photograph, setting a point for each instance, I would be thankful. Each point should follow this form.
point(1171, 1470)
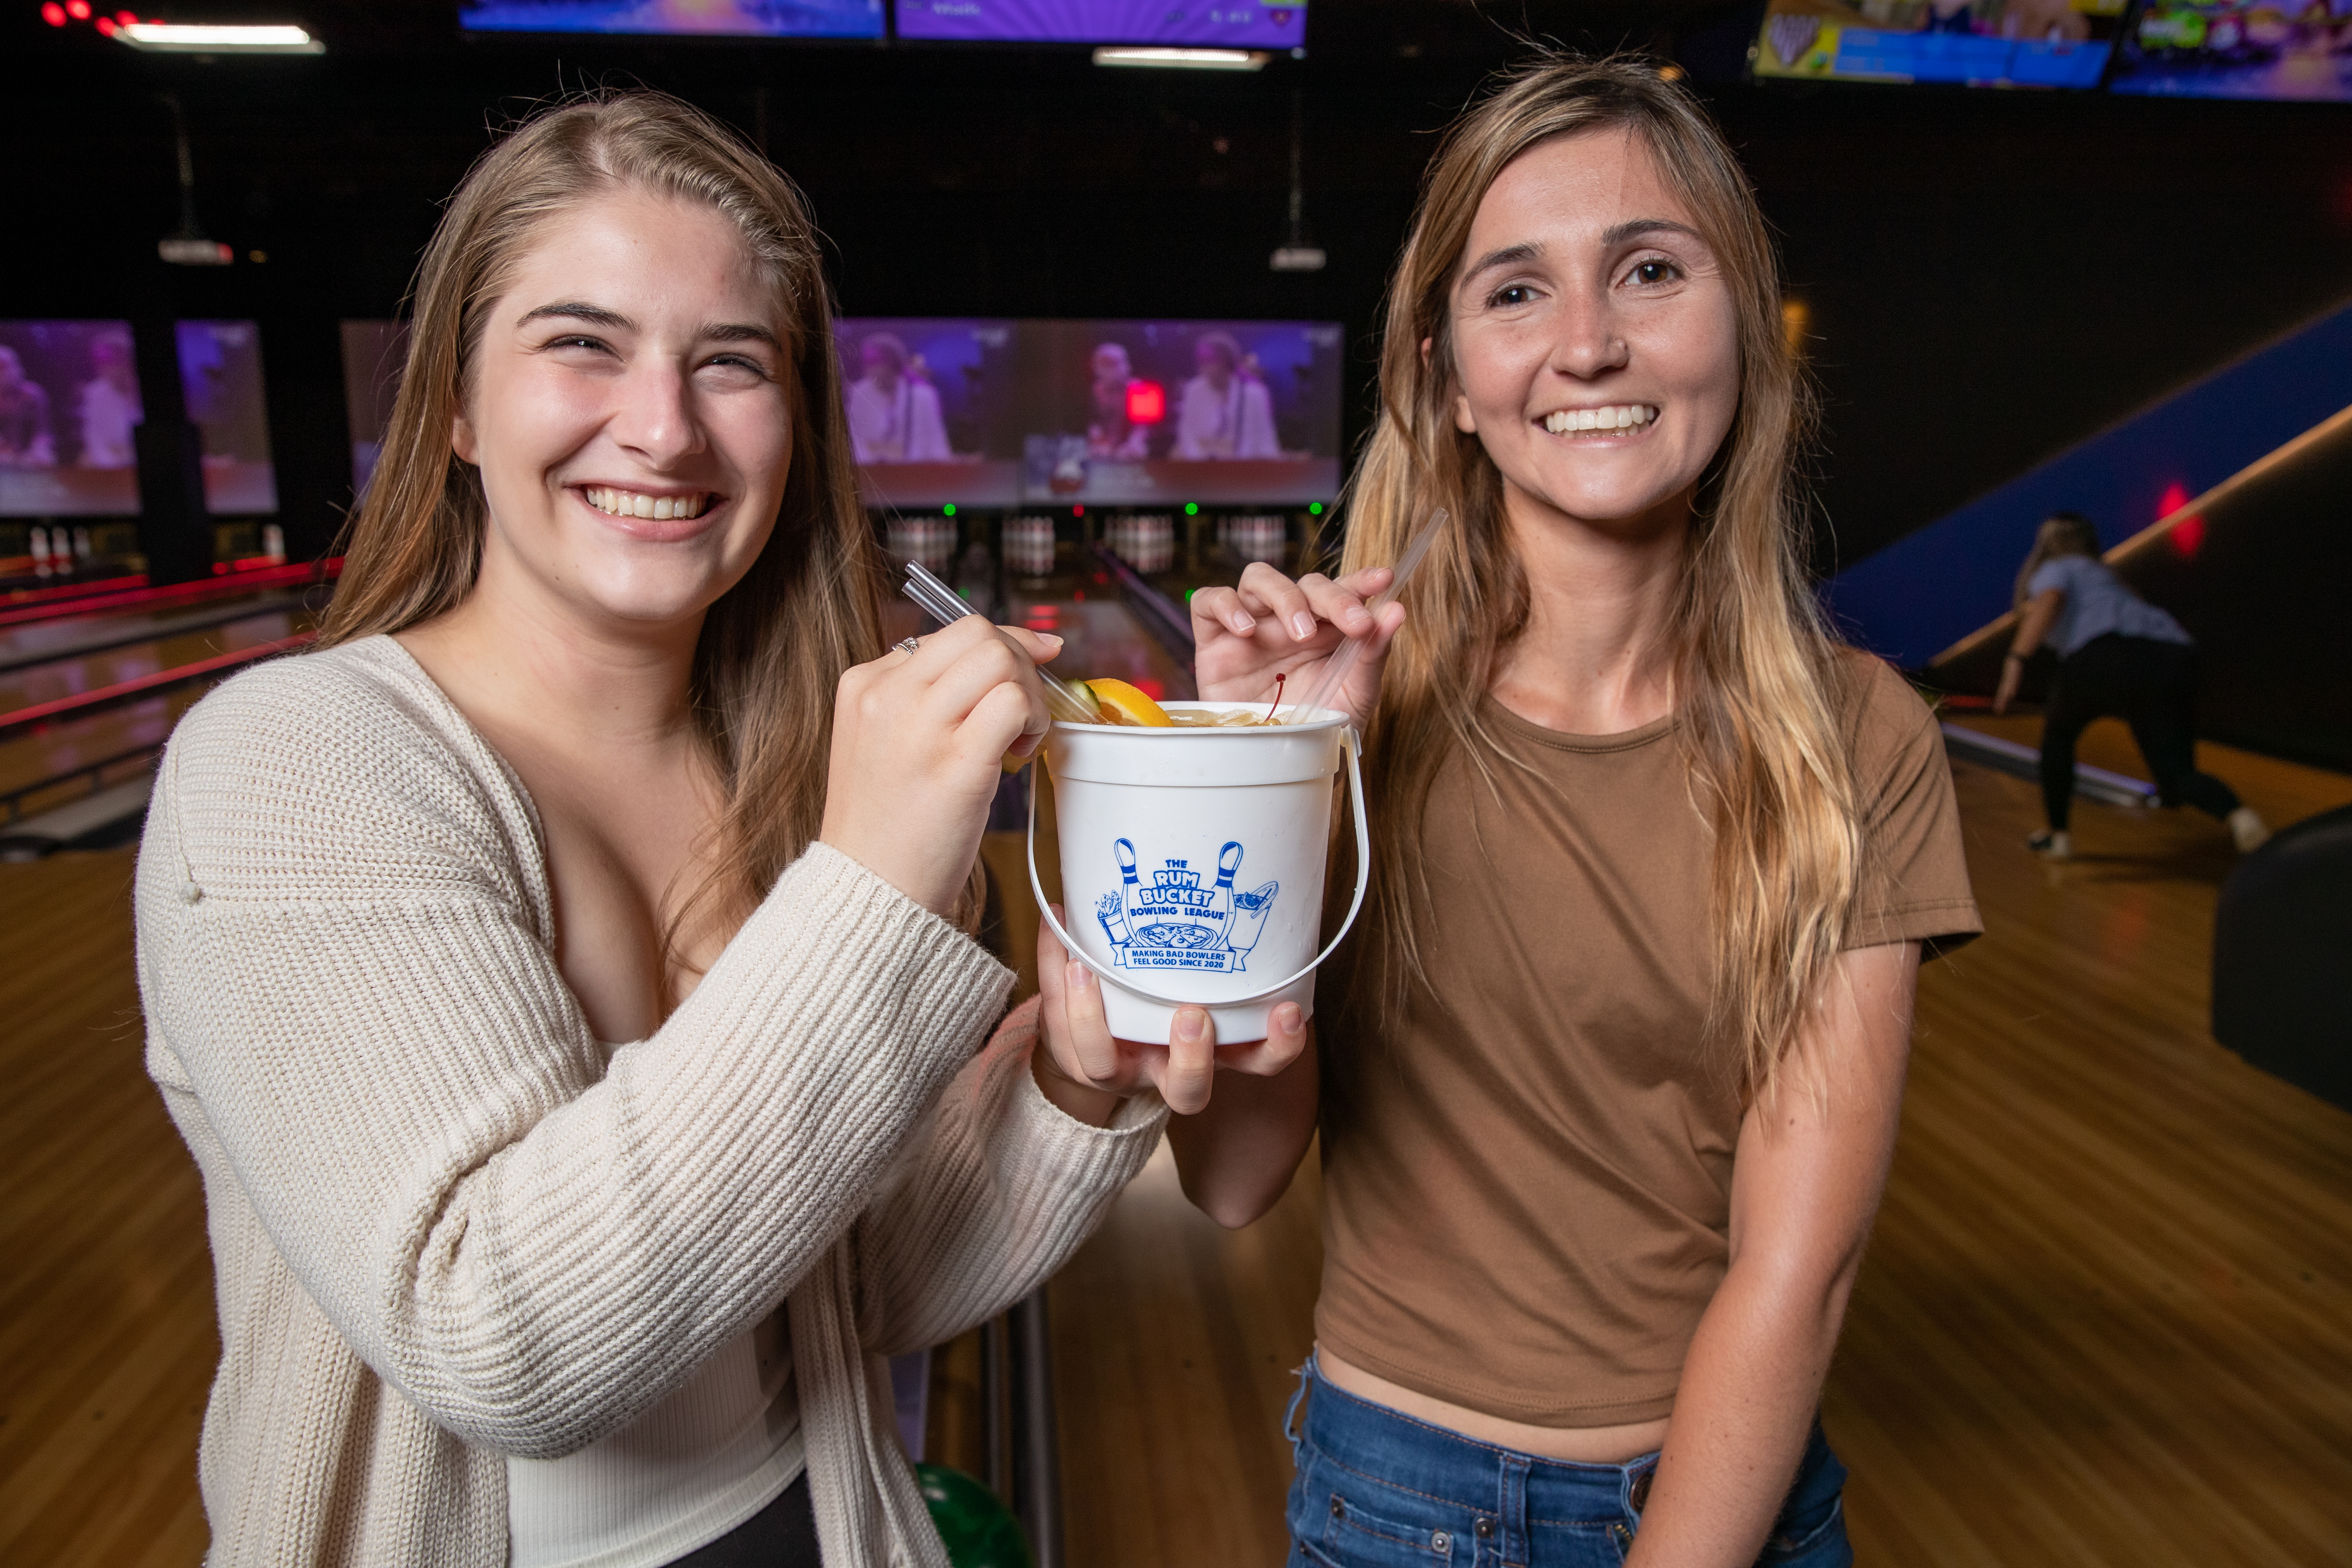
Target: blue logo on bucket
point(1174, 922)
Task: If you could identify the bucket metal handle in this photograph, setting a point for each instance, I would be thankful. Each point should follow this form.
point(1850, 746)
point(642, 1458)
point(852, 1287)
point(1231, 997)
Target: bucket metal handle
point(1363, 875)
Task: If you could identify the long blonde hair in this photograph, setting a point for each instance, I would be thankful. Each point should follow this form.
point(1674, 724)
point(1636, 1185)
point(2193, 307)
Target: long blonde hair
point(1757, 677)
point(2060, 534)
point(761, 690)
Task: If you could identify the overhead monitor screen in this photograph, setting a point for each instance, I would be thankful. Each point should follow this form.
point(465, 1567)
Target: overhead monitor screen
point(1145, 412)
point(373, 355)
point(220, 377)
point(68, 403)
point(1972, 43)
point(720, 18)
point(933, 413)
point(2271, 48)
point(1231, 24)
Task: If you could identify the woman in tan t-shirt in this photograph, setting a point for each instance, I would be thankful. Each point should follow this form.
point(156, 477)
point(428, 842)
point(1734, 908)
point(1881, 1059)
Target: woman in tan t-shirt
point(1609, 1087)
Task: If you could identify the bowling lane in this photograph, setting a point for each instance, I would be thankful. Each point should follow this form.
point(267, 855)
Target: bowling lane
point(59, 750)
point(67, 676)
point(74, 636)
point(1102, 637)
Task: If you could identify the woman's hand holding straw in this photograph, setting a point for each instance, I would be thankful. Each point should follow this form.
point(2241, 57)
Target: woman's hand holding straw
point(1070, 703)
point(915, 755)
point(1336, 668)
point(1326, 634)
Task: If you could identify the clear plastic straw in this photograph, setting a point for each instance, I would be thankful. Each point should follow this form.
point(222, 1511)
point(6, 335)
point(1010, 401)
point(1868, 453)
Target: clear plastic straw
point(1343, 658)
point(1071, 704)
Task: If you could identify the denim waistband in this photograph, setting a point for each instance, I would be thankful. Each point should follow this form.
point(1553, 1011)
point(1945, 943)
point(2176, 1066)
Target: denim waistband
point(1444, 1465)
point(1375, 1484)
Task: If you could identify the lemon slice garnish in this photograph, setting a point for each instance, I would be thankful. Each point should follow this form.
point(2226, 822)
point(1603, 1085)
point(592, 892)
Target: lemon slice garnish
point(1123, 704)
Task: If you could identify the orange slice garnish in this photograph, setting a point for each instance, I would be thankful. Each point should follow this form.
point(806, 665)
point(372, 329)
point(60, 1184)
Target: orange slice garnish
point(1123, 704)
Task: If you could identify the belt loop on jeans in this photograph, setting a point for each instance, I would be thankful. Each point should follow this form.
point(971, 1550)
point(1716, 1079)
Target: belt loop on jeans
point(1304, 1372)
point(1512, 1500)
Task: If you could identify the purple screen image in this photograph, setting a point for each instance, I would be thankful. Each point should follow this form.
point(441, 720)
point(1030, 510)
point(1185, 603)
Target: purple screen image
point(220, 377)
point(740, 19)
point(2213, 49)
point(69, 403)
point(927, 389)
point(1233, 24)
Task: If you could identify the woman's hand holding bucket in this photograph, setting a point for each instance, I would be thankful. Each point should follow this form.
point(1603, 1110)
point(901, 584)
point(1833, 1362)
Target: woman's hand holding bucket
point(1091, 1071)
point(1270, 625)
point(918, 740)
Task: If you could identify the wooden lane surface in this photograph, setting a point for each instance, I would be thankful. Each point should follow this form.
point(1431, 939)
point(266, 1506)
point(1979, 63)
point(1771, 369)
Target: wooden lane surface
point(107, 1336)
point(2282, 792)
point(47, 682)
point(48, 751)
point(2107, 1313)
point(1173, 1343)
point(2107, 1318)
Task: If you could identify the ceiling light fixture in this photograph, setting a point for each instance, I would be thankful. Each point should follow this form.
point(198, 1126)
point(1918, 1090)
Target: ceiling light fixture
point(1185, 59)
point(179, 38)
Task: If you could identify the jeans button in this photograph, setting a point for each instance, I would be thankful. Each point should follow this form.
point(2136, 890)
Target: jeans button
point(1338, 1509)
point(1486, 1527)
point(1640, 1491)
point(1439, 1541)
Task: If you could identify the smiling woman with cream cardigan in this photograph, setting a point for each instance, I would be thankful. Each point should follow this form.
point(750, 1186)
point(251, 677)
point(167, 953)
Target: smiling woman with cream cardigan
point(561, 978)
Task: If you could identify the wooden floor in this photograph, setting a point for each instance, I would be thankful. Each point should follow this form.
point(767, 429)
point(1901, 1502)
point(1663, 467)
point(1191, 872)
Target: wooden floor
point(2106, 1320)
point(106, 1339)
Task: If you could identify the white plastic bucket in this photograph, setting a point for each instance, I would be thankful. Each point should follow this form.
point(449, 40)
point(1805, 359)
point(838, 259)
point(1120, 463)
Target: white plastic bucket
point(1192, 863)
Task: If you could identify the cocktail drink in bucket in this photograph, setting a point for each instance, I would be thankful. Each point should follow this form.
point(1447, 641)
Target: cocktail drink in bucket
point(1195, 835)
point(1194, 858)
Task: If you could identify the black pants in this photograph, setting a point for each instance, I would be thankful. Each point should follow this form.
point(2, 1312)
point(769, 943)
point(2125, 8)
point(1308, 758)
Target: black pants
point(2152, 687)
point(781, 1535)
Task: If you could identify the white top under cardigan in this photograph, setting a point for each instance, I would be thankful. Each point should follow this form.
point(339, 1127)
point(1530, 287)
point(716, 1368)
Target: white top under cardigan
point(444, 1231)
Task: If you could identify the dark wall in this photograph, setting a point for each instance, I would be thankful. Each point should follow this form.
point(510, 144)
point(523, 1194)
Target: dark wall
point(1991, 275)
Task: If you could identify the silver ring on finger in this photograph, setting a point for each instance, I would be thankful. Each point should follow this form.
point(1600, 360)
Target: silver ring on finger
point(907, 645)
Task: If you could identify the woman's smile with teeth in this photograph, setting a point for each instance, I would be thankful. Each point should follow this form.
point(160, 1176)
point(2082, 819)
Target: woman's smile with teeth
point(1618, 417)
point(631, 504)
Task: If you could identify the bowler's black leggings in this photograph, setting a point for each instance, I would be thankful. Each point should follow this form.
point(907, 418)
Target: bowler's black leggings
point(2152, 687)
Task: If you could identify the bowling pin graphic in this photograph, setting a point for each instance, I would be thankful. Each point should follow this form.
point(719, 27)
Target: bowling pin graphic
point(1131, 892)
point(1221, 900)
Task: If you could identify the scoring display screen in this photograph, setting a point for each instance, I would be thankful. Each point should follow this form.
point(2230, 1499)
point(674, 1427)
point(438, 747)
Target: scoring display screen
point(1971, 43)
point(1231, 24)
point(70, 400)
point(1142, 412)
point(719, 18)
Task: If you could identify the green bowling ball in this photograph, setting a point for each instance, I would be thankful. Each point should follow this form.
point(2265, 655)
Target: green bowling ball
point(979, 1530)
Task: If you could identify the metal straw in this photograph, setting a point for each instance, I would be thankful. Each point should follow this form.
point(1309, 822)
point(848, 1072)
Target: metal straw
point(1343, 658)
point(1071, 703)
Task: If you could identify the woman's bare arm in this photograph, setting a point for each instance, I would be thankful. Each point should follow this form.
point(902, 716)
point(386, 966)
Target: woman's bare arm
point(1236, 1156)
point(2032, 627)
point(1811, 1165)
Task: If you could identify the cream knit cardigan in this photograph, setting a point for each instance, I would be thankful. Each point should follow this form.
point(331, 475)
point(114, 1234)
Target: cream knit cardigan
point(443, 1231)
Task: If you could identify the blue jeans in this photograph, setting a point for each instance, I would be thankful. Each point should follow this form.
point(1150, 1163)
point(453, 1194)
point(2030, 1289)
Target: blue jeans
point(1379, 1490)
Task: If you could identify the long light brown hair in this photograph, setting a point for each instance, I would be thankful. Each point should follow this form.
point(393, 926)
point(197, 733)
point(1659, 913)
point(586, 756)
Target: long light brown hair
point(1757, 677)
point(775, 646)
point(2060, 534)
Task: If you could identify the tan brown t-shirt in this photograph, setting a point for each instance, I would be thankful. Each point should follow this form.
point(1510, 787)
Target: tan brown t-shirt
point(1526, 1177)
